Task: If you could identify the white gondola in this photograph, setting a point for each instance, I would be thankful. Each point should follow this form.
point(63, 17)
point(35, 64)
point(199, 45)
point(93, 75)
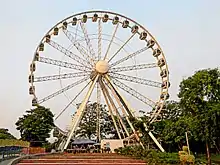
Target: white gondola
point(32, 67)
point(163, 73)
point(74, 21)
point(150, 43)
point(156, 52)
point(164, 96)
point(48, 38)
point(95, 18)
point(143, 36)
point(134, 29)
point(41, 47)
point(31, 90)
point(125, 24)
point(36, 57)
point(161, 62)
point(55, 31)
point(65, 25)
point(115, 20)
point(105, 18)
point(165, 84)
point(34, 102)
point(31, 78)
point(84, 18)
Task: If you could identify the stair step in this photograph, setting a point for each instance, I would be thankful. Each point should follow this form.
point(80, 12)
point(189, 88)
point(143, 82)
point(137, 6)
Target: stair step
point(81, 161)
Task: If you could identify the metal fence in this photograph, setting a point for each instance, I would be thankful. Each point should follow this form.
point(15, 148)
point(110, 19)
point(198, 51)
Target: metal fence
point(9, 152)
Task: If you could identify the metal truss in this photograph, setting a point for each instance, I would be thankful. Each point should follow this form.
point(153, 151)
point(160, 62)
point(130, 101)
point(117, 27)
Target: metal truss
point(71, 102)
point(78, 47)
point(64, 64)
point(134, 93)
point(88, 41)
point(60, 76)
point(133, 67)
point(122, 46)
point(105, 94)
point(68, 53)
point(135, 79)
point(129, 56)
point(79, 112)
point(98, 113)
point(99, 39)
point(113, 36)
point(63, 90)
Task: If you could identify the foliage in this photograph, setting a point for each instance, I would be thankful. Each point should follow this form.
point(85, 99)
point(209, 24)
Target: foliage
point(13, 142)
point(36, 125)
point(150, 156)
point(4, 134)
point(87, 126)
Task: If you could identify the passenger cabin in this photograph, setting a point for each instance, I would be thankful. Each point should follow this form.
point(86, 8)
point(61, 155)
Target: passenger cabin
point(41, 47)
point(150, 43)
point(115, 20)
point(161, 62)
point(34, 102)
point(95, 17)
point(84, 18)
point(31, 78)
point(48, 38)
point(65, 25)
point(134, 29)
point(156, 52)
point(125, 24)
point(105, 18)
point(163, 73)
point(55, 31)
point(143, 36)
point(32, 67)
point(31, 90)
point(74, 21)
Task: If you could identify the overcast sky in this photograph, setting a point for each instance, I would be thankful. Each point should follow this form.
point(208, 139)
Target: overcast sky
point(188, 32)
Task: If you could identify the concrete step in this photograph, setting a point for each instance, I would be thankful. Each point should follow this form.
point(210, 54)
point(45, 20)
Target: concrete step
point(81, 161)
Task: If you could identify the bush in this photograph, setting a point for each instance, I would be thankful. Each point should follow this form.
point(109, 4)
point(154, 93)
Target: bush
point(150, 156)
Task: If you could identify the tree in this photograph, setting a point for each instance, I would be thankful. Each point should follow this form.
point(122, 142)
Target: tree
point(36, 125)
point(200, 99)
point(4, 134)
point(87, 126)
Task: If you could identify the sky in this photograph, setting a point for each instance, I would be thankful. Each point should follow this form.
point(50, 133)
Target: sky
point(188, 32)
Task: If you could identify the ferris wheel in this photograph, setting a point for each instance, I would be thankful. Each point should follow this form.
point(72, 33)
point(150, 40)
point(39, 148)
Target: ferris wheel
point(103, 57)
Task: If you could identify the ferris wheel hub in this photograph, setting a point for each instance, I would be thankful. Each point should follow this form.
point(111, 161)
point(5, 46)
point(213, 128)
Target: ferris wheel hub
point(102, 67)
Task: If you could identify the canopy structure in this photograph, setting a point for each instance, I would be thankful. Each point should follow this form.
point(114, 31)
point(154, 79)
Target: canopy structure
point(83, 141)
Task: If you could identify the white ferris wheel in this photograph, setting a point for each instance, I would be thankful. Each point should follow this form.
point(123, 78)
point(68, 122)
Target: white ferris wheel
point(102, 57)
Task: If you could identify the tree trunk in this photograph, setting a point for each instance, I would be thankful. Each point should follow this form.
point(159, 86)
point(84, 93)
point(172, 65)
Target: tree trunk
point(208, 153)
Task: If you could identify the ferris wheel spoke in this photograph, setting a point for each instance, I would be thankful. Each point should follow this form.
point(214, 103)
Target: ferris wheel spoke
point(60, 76)
point(113, 36)
point(122, 46)
point(136, 80)
point(68, 53)
point(88, 41)
point(99, 39)
point(133, 67)
point(129, 56)
point(63, 90)
point(71, 102)
point(98, 112)
point(78, 46)
point(109, 107)
point(134, 93)
point(64, 64)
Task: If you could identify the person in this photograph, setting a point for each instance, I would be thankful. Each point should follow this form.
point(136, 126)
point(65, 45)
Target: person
point(108, 149)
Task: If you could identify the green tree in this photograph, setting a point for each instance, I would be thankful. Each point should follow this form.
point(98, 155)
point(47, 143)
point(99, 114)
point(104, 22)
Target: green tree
point(88, 128)
point(200, 98)
point(4, 134)
point(36, 125)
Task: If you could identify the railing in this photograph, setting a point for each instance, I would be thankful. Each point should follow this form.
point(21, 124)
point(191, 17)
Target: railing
point(9, 152)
